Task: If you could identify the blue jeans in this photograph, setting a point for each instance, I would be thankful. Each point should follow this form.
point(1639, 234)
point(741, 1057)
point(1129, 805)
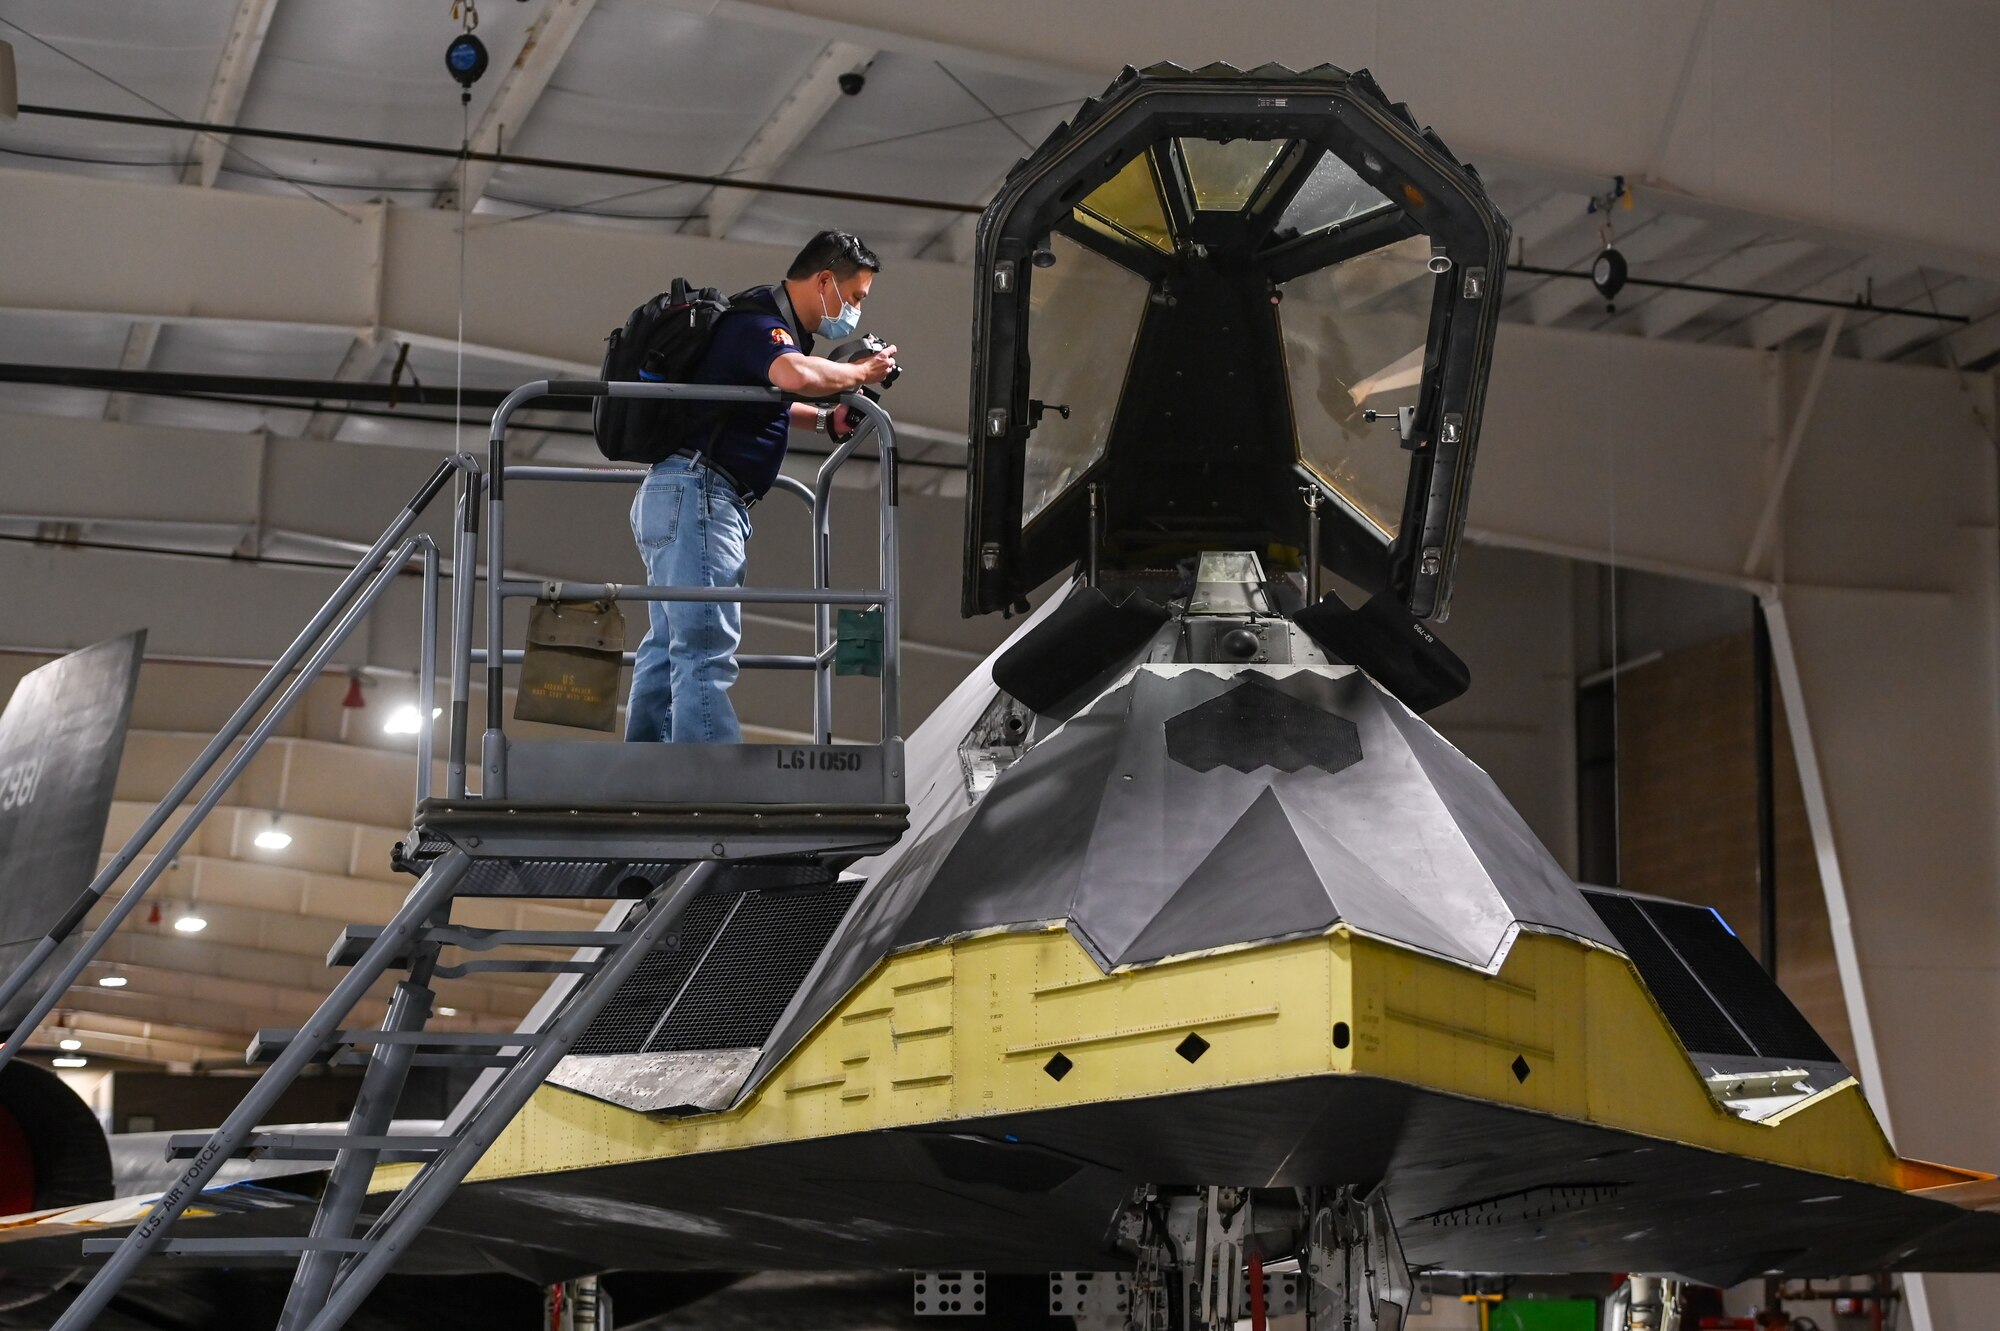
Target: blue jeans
point(691, 529)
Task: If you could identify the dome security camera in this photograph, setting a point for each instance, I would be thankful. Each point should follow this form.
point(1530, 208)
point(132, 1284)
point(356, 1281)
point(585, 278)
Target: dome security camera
point(853, 82)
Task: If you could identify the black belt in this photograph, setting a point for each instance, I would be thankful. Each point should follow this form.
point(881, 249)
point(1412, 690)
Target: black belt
point(743, 495)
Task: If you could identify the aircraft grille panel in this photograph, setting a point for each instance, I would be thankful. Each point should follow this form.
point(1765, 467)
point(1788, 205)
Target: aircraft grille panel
point(1696, 1017)
point(740, 959)
point(1754, 1001)
point(750, 975)
point(628, 1019)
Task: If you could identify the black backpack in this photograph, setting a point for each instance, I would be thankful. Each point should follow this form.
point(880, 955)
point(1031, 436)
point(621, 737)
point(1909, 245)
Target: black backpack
point(662, 342)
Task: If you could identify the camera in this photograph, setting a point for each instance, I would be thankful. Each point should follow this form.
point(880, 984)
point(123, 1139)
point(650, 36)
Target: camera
point(861, 348)
point(853, 82)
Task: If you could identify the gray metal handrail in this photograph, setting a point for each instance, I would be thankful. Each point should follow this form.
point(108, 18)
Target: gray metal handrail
point(329, 628)
point(637, 476)
point(821, 595)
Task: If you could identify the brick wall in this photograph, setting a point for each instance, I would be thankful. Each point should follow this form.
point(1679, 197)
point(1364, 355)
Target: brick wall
point(1687, 809)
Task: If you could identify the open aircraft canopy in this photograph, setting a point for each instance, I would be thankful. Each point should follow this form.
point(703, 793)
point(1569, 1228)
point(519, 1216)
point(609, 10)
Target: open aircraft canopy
point(1187, 301)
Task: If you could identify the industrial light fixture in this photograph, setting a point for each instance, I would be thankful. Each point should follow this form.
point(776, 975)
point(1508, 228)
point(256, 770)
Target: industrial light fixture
point(407, 720)
point(192, 923)
point(447, 1012)
point(271, 838)
point(112, 981)
point(70, 1045)
point(70, 1062)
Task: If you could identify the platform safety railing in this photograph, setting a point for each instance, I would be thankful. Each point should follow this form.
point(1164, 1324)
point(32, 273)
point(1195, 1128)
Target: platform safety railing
point(631, 476)
point(253, 722)
point(822, 596)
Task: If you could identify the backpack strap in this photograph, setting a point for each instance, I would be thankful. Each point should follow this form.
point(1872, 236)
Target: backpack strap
point(747, 299)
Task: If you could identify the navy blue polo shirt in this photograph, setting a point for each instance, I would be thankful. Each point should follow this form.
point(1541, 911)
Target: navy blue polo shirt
point(749, 441)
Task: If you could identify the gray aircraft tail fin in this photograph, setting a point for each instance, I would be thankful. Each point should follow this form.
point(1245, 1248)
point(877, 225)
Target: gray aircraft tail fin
point(61, 739)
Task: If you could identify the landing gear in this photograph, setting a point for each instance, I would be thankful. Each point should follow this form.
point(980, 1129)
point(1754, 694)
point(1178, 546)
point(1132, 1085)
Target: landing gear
point(1206, 1258)
point(576, 1305)
point(1644, 1303)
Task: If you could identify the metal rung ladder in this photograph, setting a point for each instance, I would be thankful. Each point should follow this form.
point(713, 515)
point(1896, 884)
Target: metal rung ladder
point(338, 1267)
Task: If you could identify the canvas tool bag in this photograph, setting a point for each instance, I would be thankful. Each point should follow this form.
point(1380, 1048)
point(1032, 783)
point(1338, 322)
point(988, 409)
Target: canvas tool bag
point(570, 673)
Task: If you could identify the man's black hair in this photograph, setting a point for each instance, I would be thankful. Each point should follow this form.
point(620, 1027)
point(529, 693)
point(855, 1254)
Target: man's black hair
point(841, 251)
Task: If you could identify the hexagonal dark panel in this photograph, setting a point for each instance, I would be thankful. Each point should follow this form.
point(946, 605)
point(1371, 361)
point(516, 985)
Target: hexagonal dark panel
point(1257, 724)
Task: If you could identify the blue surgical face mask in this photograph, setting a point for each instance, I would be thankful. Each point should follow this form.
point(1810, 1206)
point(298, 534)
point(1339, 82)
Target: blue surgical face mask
point(837, 326)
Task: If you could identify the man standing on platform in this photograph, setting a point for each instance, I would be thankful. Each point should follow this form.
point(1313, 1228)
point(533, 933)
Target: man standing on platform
point(692, 514)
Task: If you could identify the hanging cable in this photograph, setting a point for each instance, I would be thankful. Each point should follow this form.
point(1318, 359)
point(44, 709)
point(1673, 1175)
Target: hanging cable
point(465, 60)
point(1617, 670)
point(464, 164)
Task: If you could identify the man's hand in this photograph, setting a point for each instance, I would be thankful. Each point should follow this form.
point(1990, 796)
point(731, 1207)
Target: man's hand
point(878, 366)
point(842, 424)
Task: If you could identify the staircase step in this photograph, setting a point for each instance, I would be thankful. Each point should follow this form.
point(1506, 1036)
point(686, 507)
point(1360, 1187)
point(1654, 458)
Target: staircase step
point(356, 939)
point(270, 1040)
point(307, 1145)
point(518, 966)
point(271, 1246)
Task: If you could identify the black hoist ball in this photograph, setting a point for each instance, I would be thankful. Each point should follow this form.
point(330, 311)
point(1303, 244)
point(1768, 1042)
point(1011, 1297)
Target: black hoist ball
point(465, 59)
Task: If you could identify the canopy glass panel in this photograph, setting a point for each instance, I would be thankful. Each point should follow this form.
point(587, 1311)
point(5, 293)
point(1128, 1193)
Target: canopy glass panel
point(1129, 205)
point(1332, 193)
point(1085, 313)
point(1354, 338)
point(1223, 176)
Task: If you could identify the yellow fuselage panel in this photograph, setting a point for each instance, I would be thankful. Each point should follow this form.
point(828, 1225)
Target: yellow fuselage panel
point(967, 1030)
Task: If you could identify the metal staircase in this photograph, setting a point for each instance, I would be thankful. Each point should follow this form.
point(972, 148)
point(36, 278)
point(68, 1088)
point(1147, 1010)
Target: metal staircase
point(653, 824)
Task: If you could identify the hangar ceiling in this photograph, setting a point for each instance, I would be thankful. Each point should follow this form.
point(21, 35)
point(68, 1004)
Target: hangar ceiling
point(748, 90)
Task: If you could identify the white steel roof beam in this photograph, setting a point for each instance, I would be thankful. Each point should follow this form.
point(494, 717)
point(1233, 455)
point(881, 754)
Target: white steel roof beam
point(290, 262)
point(140, 1040)
point(547, 42)
point(1977, 342)
point(780, 136)
point(225, 93)
point(1780, 322)
point(233, 72)
point(1885, 336)
point(196, 978)
point(1544, 220)
point(358, 366)
point(140, 340)
point(1666, 312)
point(1851, 70)
point(953, 242)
